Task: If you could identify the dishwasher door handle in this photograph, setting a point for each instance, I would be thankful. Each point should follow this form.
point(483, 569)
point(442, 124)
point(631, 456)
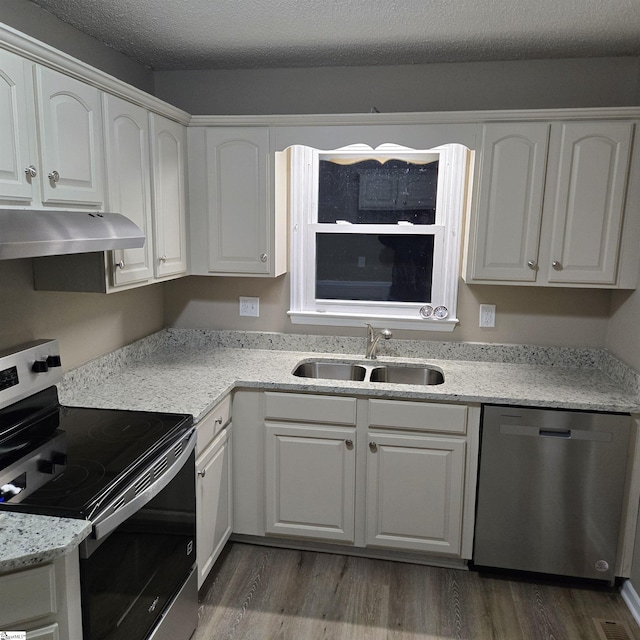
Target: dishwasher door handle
point(555, 433)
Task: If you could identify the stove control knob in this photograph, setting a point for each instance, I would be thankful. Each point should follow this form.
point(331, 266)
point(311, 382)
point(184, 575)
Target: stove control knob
point(40, 366)
point(54, 361)
point(46, 466)
point(59, 457)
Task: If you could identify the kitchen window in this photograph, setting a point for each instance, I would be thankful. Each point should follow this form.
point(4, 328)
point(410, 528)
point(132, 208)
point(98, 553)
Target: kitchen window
point(376, 235)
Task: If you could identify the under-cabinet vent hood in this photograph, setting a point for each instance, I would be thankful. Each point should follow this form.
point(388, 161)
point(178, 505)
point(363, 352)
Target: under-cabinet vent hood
point(29, 233)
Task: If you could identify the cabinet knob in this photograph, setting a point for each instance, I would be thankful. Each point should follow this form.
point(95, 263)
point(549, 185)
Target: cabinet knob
point(373, 447)
point(54, 176)
point(218, 420)
point(532, 264)
point(202, 473)
point(263, 257)
point(31, 171)
point(163, 259)
point(557, 265)
point(349, 444)
point(120, 265)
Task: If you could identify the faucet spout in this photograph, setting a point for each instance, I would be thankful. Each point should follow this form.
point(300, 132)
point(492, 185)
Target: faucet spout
point(373, 339)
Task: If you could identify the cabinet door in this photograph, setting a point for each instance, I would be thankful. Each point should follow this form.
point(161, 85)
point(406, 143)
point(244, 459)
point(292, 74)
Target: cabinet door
point(415, 492)
point(510, 199)
point(310, 481)
point(214, 518)
point(586, 199)
point(168, 153)
point(16, 129)
point(239, 200)
point(71, 144)
point(129, 184)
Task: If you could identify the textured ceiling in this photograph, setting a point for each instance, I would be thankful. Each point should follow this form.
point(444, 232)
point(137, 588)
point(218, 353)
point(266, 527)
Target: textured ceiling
point(210, 34)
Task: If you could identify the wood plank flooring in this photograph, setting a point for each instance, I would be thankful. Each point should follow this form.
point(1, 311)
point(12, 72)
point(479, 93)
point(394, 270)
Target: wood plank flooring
point(264, 593)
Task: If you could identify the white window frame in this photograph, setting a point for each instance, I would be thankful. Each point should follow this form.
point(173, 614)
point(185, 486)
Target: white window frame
point(451, 201)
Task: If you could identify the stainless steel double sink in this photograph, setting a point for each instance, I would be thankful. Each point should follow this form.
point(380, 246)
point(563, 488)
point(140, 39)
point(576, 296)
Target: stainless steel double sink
point(390, 373)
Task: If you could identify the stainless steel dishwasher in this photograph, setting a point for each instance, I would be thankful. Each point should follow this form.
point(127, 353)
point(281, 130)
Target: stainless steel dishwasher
point(550, 491)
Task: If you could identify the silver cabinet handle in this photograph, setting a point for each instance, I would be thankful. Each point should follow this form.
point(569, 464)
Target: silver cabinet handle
point(120, 265)
point(557, 265)
point(349, 443)
point(202, 473)
point(163, 259)
point(532, 264)
point(263, 257)
point(54, 176)
point(373, 447)
point(31, 171)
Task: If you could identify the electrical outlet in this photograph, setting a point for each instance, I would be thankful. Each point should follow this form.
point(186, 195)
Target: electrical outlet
point(249, 306)
point(487, 315)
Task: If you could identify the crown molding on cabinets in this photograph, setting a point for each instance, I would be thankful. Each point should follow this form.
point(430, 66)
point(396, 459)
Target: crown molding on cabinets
point(27, 47)
point(434, 117)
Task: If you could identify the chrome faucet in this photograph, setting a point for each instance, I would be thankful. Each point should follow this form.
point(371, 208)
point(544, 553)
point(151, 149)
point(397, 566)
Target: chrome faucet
point(372, 341)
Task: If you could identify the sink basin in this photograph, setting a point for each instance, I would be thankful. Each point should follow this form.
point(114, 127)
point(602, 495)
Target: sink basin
point(406, 375)
point(330, 370)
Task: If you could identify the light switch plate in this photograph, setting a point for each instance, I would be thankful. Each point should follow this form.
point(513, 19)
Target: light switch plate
point(249, 306)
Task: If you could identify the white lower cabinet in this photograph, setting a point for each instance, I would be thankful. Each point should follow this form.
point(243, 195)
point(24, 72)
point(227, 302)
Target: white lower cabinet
point(214, 485)
point(382, 474)
point(415, 487)
point(310, 481)
point(43, 600)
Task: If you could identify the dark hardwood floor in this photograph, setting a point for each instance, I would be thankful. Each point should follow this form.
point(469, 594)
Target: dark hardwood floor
point(264, 593)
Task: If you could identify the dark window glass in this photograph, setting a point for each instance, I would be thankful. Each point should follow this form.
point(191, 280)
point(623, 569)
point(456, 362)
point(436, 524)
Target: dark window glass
point(374, 267)
point(373, 192)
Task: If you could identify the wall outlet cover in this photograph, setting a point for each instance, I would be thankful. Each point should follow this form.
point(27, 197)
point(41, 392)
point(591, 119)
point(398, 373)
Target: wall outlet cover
point(487, 315)
point(249, 306)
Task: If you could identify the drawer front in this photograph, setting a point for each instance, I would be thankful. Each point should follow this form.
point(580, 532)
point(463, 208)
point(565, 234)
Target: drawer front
point(309, 408)
point(418, 416)
point(27, 595)
point(213, 423)
point(50, 632)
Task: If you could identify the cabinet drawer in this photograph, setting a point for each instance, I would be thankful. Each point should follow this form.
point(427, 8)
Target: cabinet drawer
point(50, 632)
point(212, 424)
point(309, 408)
point(418, 416)
point(27, 595)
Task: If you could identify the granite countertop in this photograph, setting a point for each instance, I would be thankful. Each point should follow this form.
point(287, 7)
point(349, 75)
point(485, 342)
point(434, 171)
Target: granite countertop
point(28, 540)
point(190, 371)
point(192, 379)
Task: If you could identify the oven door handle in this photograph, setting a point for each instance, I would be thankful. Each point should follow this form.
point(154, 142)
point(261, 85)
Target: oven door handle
point(104, 526)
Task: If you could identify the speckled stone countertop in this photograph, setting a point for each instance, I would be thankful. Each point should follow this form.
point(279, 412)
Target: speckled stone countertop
point(190, 371)
point(28, 540)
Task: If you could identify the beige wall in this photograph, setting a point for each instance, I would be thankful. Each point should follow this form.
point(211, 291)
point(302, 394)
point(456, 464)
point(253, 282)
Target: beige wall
point(623, 332)
point(572, 317)
point(87, 325)
point(521, 84)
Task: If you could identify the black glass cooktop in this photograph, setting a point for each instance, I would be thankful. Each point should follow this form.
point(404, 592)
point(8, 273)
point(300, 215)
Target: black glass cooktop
point(101, 449)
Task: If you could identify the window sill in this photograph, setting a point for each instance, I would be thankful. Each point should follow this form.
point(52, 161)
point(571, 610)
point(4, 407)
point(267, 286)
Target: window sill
point(389, 322)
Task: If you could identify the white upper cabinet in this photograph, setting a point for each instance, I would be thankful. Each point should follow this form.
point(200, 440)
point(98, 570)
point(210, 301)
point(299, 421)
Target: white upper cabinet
point(168, 157)
point(129, 184)
point(18, 162)
point(551, 205)
point(236, 227)
point(587, 192)
point(510, 199)
point(71, 143)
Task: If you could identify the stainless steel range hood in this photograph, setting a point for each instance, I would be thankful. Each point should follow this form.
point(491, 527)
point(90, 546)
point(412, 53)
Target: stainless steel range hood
point(31, 233)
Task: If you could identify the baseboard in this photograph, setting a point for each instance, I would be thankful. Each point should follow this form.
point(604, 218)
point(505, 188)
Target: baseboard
point(364, 552)
point(632, 600)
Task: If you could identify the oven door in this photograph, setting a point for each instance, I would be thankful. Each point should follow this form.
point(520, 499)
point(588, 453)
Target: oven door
point(130, 577)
